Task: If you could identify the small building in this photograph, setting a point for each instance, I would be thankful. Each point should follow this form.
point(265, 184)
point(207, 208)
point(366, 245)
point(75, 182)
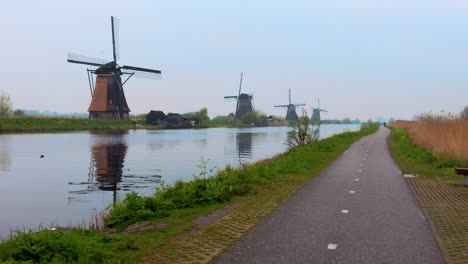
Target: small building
point(175, 120)
point(157, 118)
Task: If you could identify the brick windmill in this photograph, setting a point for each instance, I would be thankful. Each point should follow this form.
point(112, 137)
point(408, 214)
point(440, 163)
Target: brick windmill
point(244, 101)
point(108, 98)
point(291, 109)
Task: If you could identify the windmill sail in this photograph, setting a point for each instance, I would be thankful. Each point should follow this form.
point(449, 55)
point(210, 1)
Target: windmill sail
point(115, 21)
point(142, 72)
point(82, 59)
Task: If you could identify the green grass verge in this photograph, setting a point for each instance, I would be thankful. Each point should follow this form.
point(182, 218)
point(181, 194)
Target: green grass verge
point(30, 124)
point(176, 206)
point(416, 160)
point(36, 124)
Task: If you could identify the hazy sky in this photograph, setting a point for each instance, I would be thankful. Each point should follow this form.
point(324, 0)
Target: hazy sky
point(364, 58)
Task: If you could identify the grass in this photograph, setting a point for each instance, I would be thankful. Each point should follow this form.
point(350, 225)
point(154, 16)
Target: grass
point(445, 136)
point(178, 205)
point(33, 124)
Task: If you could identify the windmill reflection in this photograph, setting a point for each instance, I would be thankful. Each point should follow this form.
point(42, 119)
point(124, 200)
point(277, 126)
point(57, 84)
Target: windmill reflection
point(244, 146)
point(108, 157)
point(107, 161)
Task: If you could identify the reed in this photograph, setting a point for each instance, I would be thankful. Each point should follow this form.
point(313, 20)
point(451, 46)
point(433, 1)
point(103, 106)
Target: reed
point(445, 136)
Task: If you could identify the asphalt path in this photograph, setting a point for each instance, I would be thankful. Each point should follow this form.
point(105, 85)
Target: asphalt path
point(358, 210)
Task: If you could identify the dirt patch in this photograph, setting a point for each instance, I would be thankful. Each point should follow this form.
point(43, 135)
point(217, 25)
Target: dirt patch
point(216, 215)
point(208, 219)
point(138, 227)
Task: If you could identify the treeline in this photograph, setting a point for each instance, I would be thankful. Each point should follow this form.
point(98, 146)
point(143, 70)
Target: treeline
point(345, 121)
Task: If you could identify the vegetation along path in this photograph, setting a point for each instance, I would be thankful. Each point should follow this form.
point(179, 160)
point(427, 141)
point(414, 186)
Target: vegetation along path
point(358, 210)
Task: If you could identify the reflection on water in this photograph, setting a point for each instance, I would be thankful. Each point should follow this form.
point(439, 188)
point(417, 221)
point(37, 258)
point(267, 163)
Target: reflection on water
point(107, 163)
point(244, 146)
point(5, 159)
point(106, 170)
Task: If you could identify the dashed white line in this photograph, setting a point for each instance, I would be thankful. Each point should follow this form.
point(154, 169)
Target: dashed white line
point(351, 192)
point(359, 171)
point(356, 179)
point(332, 246)
point(344, 211)
point(362, 164)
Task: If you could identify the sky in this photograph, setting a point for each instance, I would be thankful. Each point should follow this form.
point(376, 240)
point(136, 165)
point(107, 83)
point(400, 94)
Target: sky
point(363, 58)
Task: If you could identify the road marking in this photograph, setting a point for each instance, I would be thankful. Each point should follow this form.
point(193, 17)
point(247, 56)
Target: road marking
point(364, 159)
point(362, 164)
point(356, 179)
point(332, 246)
point(351, 192)
point(344, 211)
point(359, 171)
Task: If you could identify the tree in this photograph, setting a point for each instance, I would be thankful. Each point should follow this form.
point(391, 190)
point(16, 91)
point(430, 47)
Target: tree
point(255, 118)
point(202, 115)
point(18, 112)
point(5, 104)
point(464, 113)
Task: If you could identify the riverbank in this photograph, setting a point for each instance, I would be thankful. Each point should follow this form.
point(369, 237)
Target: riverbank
point(30, 124)
point(46, 124)
point(439, 191)
point(255, 189)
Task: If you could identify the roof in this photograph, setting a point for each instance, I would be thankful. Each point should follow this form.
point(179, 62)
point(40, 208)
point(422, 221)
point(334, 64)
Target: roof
point(156, 114)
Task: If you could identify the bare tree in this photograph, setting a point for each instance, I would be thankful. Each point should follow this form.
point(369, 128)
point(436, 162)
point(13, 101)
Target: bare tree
point(5, 104)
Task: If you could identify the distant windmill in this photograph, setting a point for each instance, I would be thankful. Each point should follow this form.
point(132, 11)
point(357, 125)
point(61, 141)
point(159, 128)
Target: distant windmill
point(108, 98)
point(316, 114)
point(291, 109)
point(244, 101)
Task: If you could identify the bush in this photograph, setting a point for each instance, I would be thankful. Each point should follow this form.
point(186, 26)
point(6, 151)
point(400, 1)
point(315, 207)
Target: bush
point(301, 134)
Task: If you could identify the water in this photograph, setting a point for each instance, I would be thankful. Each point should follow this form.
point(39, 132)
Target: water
point(82, 172)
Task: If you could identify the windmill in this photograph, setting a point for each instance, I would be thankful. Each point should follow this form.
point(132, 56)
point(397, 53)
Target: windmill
point(291, 109)
point(108, 98)
point(244, 101)
point(315, 120)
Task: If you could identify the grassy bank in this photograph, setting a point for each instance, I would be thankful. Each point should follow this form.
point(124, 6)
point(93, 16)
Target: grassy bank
point(45, 124)
point(171, 210)
point(32, 124)
point(439, 191)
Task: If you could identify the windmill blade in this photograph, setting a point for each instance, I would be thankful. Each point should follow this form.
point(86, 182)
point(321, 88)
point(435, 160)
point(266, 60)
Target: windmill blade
point(231, 97)
point(115, 22)
point(281, 106)
point(142, 72)
point(82, 59)
point(299, 104)
point(240, 84)
point(323, 110)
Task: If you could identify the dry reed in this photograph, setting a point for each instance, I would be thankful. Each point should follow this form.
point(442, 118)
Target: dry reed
point(446, 136)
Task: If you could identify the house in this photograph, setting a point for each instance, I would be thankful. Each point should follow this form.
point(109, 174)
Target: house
point(175, 120)
point(157, 118)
